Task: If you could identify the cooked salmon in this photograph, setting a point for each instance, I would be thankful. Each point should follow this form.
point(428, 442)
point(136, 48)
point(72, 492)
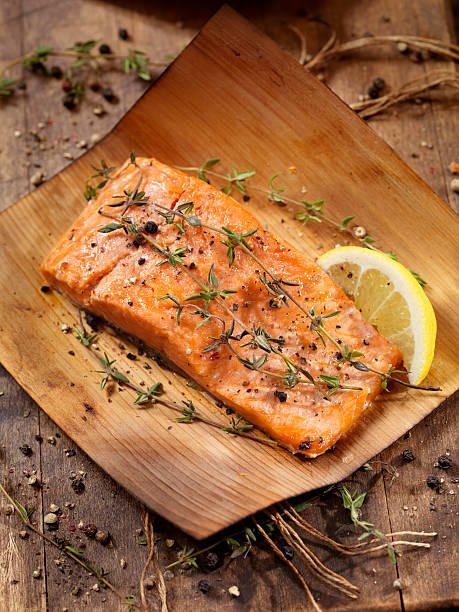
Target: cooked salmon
point(114, 277)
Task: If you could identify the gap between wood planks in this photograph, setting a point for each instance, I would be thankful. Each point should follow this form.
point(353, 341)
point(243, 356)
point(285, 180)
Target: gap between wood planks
point(386, 499)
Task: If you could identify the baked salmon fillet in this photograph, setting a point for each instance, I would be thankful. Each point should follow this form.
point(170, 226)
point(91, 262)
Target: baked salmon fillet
point(118, 278)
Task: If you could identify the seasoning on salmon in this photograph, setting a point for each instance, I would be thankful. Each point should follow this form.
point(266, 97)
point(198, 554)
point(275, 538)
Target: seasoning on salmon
point(119, 279)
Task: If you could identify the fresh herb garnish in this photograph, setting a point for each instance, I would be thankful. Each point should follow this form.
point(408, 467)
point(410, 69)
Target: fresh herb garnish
point(309, 211)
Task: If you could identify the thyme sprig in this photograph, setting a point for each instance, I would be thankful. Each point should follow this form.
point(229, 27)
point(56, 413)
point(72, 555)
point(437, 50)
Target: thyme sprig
point(82, 334)
point(212, 292)
point(259, 335)
point(83, 55)
point(25, 514)
point(134, 197)
point(155, 394)
point(279, 286)
point(234, 178)
point(309, 211)
point(317, 321)
point(353, 502)
point(259, 338)
point(103, 175)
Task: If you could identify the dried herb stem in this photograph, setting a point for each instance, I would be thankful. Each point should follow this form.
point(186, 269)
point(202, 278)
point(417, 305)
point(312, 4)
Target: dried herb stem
point(350, 549)
point(154, 560)
point(154, 393)
point(311, 560)
point(281, 555)
point(409, 90)
point(93, 56)
point(333, 49)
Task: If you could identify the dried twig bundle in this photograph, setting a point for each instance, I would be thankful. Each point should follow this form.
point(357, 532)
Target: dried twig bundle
point(333, 49)
point(408, 91)
point(152, 558)
point(426, 82)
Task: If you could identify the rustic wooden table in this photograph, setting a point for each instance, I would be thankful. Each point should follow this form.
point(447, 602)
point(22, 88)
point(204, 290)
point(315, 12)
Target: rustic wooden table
point(38, 133)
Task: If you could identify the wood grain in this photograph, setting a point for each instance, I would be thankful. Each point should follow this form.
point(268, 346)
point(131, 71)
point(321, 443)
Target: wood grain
point(260, 94)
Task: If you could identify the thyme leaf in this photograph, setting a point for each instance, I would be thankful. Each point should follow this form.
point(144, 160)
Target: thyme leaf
point(353, 502)
point(5, 85)
point(137, 62)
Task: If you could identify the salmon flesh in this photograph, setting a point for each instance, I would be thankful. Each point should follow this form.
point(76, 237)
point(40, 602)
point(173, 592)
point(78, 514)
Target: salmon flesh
point(118, 279)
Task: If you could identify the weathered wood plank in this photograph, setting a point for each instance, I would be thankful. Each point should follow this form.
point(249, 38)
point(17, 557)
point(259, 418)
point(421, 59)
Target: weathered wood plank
point(19, 558)
point(14, 172)
point(414, 506)
point(102, 503)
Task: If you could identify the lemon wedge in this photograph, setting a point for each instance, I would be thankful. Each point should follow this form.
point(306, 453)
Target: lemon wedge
point(390, 298)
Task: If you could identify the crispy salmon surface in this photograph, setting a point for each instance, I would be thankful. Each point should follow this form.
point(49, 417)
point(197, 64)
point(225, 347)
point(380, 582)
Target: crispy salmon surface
point(121, 282)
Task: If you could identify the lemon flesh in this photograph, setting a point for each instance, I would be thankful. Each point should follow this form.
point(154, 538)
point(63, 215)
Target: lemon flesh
point(391, 299)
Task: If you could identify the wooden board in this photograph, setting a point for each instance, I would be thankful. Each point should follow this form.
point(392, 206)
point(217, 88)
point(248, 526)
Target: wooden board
point(235, 94)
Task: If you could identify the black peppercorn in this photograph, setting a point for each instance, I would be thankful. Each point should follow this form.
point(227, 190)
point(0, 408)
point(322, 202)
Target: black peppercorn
point(373, 92)
point(192, 266)
point(150, 227)
point(211, 560)
point(305, 445)
point(444, 462)
point(45, 289)
point(56, 72)
point(408, 456)
point(281, 395)
point(109, 95)
point(131, 356)
point(138, 240)
point(25, 450)
point(141, 261)
point(104, 49)
point(246, 198)
point(78, 485)
point(204, 586)
point(288, 553)
point(123, 34)
point(69, 102)
point(379, 83)
point(433, 482)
